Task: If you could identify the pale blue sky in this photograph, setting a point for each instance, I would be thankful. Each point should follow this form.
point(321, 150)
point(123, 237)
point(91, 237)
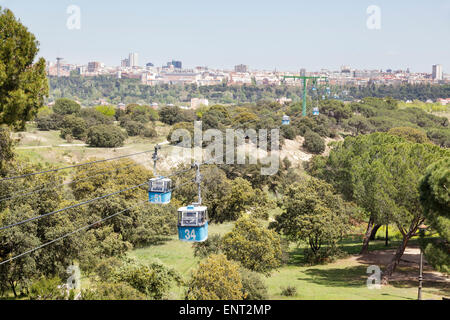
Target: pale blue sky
point(282, 34)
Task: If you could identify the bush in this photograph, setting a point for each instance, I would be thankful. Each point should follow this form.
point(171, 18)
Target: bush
point(134, 128)
point(253, 245)
point(314, 143)
point(108, 111)
point(73, 126)
point(211, 246)
point(289, 291)
point(440, 137)
point(49, 122)
point(47, 289)
point(253, 285)
point(411, 134)
point(112, 291)
point(66, 106)
point(94, 118)
point(216, 279)
point(149, 133)
point(104, 136)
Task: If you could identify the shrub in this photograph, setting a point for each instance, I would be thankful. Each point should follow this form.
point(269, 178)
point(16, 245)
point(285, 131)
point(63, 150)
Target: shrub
point(73, 126)
point(104, 136)
point(289, 291)
point(108, 111)
point(149, 133)
point(134, 128)
point(49, 122)
point(112, 291)
point(314, 143)
point(94, 117)
point(211, 246)
point(254, 246)
point(47, 289)
point(66, 106)
point(441, 137)
point(411, 134)
point(216, 279)
point(253, 285)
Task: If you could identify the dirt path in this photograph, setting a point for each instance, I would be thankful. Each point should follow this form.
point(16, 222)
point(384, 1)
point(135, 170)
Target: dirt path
point(407, 270)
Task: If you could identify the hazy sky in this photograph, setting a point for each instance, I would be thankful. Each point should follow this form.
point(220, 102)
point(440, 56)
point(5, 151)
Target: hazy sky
point(281, 34)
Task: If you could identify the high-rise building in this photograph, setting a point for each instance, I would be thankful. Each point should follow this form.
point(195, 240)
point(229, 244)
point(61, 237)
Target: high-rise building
point(437, 72)
point(241, 68)
point(176, 64)
point(133, 60)
point(94, 66)
point(124, 63)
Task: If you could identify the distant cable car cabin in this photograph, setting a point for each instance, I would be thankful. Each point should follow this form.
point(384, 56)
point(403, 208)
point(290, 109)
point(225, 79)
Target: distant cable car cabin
point(316, 112)
point(286, 120)
point(160, 190)
point(193, 223)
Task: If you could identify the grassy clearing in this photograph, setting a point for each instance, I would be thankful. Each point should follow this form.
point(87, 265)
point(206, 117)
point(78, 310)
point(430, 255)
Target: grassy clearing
point(344, 279)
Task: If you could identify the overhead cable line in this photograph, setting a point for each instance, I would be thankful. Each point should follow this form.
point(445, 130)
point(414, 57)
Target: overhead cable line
point(82, 203)
point(36, 190)
point(82, 228)
point(73, 166)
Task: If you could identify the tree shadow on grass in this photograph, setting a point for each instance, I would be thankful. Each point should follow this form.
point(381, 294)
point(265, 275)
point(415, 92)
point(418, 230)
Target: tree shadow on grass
point(338, 277)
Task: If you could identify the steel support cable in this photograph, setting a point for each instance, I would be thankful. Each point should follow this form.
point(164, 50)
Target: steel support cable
point(85, 202)
point(36, 190)
point(81, 229)
point(73, 166)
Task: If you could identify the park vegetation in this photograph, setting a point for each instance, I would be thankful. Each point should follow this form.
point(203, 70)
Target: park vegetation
point(388, 165)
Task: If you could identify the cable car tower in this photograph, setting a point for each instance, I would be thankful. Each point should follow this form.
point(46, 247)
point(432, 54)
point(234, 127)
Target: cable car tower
point(305, 85)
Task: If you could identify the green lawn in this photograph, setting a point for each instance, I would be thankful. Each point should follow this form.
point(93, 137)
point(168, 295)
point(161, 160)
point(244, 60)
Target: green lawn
point(344, 279)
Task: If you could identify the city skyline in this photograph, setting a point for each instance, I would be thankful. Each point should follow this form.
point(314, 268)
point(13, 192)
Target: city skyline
point(286, 36)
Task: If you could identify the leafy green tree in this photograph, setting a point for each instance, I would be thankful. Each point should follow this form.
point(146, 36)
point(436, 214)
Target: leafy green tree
point(336, 109)
point(6, 149)
point(109, 111)
point(51, 122)
point(134, 128)
point(411, 134)
point(16, 275)
point(104, 136)
point(66, 106)
point(255, 247)
point(381, 173)
point(435, 198)
point(314, 143)
point(23, 83)
point(314, 214)
point(94, 117)
point(359, 125)
point(73, 126)
point(154, 280)
point(216, 278)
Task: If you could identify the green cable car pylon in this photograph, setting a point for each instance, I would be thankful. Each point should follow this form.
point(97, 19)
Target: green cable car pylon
point(305, 84)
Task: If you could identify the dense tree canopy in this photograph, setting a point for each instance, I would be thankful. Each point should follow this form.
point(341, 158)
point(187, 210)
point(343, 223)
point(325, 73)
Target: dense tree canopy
point(23, 83)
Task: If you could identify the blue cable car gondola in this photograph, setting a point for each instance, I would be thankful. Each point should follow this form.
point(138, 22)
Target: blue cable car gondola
point(286, 120)
point(160, 190)
point(316, 111)
point(193, 219)
point(193, 223)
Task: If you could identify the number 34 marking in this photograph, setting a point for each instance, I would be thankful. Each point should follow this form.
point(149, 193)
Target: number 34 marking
point(190, 234)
